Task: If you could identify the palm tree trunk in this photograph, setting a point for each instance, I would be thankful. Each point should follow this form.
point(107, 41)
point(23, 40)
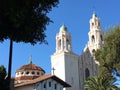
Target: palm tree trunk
point(10, 64)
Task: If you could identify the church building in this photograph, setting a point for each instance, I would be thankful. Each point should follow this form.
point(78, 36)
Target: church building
point(33, 77)
point(73, 68)
point(69, 70)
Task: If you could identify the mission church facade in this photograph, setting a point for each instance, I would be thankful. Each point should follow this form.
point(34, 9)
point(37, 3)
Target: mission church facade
point(73, 68)
point(69, 70)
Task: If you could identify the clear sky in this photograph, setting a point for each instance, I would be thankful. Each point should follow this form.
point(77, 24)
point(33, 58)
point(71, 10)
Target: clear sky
point(75, 14)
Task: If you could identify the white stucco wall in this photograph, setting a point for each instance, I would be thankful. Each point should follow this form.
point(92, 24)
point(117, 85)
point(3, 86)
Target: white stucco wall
point(86, 61)
point(66, 68)
point(58, 63)
point(71, 71)
point(28, 87)
point(44, 85)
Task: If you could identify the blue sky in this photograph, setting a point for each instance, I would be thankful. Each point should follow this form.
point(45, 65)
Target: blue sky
point(75, 14)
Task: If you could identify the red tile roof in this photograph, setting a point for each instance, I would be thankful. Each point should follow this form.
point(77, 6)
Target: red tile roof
point(42, 78)
point(30, 67)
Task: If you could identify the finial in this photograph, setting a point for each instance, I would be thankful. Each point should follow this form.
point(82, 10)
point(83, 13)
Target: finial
point(53, 70)
point(63, 24)
point(94, 15)
point(94, 9)
point(30, 62)
point(63, 28)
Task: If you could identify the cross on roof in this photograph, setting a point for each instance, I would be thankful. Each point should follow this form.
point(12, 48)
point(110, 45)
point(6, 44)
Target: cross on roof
point(53, 69)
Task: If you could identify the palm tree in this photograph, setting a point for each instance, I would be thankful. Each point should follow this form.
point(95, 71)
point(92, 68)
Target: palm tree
point(100, 82)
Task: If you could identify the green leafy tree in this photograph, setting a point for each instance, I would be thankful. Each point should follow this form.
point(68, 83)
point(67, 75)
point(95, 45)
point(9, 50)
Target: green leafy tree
point(109, 55)
point(3, 81)
point(100, 82)
point(109, 59)
point(24, 21)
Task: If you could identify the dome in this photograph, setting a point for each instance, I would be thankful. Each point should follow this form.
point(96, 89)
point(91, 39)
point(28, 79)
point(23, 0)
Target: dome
point(30, 67)
point(94, 15)
point(28, 72)
point(63, 28)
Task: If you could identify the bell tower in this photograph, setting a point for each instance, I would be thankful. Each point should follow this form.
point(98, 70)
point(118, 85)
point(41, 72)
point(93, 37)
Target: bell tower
point(63, 40)
point(64, 62)
point(95, 34)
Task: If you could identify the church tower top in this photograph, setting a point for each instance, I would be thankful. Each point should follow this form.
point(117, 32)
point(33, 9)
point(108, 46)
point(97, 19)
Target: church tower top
point(63, 28)
point(95, 34)
point(95, 23)
point(63, 40)
point(94, 15)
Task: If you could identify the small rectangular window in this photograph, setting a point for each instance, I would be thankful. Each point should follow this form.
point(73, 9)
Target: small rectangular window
point(55, 86)
point(49, 84)
point(45, 85)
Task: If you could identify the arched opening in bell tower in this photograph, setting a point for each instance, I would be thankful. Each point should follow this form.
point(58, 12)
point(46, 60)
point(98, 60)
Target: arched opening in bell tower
point(67, 44)
point(98, 23)
point(93, 39)
point(59, 44)
point(92, 24)
point(93, 51)
point(101, 39)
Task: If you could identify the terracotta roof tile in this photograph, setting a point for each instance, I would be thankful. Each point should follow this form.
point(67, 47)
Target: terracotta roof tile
point(30, 67)
point(42, 78)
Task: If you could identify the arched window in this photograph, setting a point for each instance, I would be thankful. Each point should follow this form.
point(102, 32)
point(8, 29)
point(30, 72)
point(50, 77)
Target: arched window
point(98, 23)
point(33, 72)
point(27, 73)
point(21, 73)
point(59, 44)
point(93, 51)
point(93, 39)
point(101, 38)
point(55, 86)
point(44, 85)
point(87, 73)
point(67, 44)
point(92, 24)
point(38, 73)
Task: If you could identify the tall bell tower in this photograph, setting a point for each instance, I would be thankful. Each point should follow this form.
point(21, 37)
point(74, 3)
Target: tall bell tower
point(95, 34)
point(63, 40)
point(64, 62)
